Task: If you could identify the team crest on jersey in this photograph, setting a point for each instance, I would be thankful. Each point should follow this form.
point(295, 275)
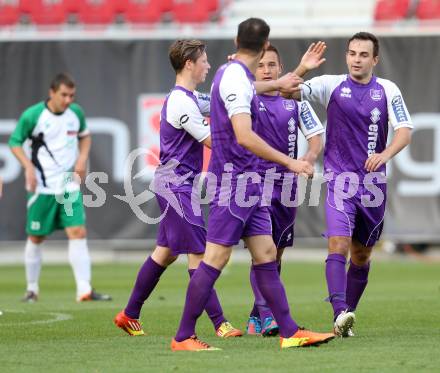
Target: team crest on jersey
point(288, 105)
point(261, 107)
point(346, 92)
point(376, 94)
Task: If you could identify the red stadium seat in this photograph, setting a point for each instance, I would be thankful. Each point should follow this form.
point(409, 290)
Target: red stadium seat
point(391, 10)
point(72, 6)
point(46, 12)
point(428, 9)
point(9, 12)
point(146, 11)
point(96, 11)
point(192, 11)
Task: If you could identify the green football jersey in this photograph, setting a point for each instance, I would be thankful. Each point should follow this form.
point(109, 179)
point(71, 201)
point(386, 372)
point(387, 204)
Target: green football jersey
point(54, 143)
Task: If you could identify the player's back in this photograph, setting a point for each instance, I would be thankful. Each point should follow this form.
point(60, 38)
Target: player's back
point(232, 93)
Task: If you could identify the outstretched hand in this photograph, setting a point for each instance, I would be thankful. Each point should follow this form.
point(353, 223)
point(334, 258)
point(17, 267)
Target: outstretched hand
point(312, 59)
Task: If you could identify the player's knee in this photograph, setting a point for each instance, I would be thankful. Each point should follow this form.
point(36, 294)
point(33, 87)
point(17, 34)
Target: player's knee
point(265, 254)
point(360, 258)
point(76, 233)
point(163, 256)
point(216, 258)
point(339, 245)
point(37, 239)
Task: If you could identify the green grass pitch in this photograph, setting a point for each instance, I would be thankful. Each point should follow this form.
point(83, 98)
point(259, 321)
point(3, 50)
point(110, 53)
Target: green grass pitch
point(397, 330)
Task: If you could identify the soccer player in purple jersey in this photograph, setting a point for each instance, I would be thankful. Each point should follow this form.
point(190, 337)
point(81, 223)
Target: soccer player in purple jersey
point(183, 133)
point(234, 211)
point(279, 119)
point(360, 106)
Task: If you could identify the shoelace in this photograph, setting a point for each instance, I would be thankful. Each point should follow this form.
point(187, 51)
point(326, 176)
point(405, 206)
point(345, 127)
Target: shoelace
point(228, 326)
point(201, 343)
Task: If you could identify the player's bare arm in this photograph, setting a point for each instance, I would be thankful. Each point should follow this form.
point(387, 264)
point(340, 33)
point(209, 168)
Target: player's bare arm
point(207, 142)
point(314, 148)
point(402, 137)
point(29, 170)
point(286, 84)
point(84, 144)
point(246, 137)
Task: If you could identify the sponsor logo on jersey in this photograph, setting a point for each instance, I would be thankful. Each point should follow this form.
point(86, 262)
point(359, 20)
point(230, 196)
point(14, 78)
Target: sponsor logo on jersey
point(289, 105)
point(261, 107)
point(72, 133)
point(346, 92)
point(204, 97)
point(231, 97)
point(399, 109)
point(376, 94)
point(373, 131)
point(307, 117)
point(291, 137)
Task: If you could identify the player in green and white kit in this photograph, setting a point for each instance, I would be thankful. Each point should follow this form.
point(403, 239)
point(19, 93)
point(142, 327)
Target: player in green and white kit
point(60, 145)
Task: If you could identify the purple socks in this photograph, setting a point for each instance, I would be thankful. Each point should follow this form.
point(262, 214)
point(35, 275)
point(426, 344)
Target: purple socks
point(261, 309)
point(269, 283)
point(336, 282)
point(213, 307)
point(357, 279)
point(146, 281)
point(197, 296)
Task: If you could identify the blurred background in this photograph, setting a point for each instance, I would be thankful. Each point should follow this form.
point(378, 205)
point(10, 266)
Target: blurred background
point(117, 52)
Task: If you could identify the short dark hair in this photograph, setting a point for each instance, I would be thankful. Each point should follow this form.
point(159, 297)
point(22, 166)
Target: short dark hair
point(62, 79)
point(272, 48)
point(252, 34)
point(366, 36)
point(183, 50)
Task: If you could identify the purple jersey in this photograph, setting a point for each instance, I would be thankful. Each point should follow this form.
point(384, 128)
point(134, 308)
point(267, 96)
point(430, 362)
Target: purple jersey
point(357, 119)
point(278, 122)
point(232, 93)
point(183, 129)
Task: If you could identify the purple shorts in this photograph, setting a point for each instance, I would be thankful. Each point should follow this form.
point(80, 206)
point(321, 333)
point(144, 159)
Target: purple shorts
point(359, 216)
point(228, 224)
point(283, 218)
point(184, 234)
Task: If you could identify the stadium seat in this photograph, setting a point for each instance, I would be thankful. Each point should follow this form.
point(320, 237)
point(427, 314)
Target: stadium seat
point(46, 12)
point(193, 11)
point(428, 10)
point(71, 6)
point(146, 11)
point(391, 10)
point(96, 11)
point(9, 12)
